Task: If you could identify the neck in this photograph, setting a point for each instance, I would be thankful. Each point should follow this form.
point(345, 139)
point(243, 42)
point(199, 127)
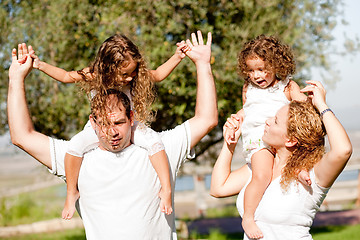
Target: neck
point(280, 160)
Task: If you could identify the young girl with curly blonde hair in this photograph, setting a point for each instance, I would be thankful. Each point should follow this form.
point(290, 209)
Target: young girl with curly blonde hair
point(266, 64)
point(118, 64)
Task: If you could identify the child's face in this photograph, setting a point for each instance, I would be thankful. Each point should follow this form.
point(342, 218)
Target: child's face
point(258, 73)
point(128, 70)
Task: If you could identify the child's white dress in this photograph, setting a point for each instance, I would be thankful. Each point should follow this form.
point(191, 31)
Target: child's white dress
point(142, 136)
point(261, 104)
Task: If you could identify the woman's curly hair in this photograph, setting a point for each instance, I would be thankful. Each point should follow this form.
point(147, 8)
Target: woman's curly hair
point(278, 57)
point(304, 125)
point(105, 73)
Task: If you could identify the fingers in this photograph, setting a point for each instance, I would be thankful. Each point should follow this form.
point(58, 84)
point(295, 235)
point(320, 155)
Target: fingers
point(200, 38)
point(188, 42)
point(209, 39)
point(20, 51)
point(25, 50)
point(13, 54)
point(194, 40)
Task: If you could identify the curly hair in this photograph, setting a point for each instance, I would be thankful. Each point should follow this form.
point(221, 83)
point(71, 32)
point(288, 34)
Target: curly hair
point(105, 73)
point(304, 125)
point(278, 57)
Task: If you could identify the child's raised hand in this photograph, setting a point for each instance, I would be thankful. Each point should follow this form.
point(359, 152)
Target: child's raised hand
point(181, 49)
point(198, 51)
point(36, 62)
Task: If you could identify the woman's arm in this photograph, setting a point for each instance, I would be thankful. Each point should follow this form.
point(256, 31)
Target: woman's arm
point(224, 182)
point(333, 162)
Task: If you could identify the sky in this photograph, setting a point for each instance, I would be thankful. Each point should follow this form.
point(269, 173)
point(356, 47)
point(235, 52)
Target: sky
point(344, 97)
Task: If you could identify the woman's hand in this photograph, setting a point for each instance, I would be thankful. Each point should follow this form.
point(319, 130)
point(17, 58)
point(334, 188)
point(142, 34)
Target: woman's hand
point(232, 129)
point(316, 92)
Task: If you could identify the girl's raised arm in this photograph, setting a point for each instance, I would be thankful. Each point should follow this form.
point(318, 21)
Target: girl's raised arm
point(333, 162)
point(56, 73)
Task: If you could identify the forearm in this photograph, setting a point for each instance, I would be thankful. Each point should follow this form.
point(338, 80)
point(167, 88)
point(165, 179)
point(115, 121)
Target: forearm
point(206, 113)
point(166, 68)
point(59, 74)
point(333, 162)
point(339, 141)
point(221, 170)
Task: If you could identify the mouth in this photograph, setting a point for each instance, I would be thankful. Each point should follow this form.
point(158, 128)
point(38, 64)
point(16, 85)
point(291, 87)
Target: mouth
point(115, 142)
point(261, 82)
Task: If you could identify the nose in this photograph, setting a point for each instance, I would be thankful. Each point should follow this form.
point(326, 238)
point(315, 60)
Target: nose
point(112, 131)
point(267, 122)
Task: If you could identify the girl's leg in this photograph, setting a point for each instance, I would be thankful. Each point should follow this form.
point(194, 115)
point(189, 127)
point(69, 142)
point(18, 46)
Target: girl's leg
point(72, 168)
point(161, 165)
point(261, 164)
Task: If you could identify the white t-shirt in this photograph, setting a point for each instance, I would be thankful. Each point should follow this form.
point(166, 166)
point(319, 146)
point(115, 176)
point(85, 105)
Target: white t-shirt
point(286, 215)
point(119, 193)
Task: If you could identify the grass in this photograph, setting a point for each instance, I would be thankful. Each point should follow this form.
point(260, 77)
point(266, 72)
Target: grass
point(31, 207)
point(74, 234)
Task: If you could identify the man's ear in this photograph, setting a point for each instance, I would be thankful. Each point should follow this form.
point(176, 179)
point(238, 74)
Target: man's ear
point(291, 142)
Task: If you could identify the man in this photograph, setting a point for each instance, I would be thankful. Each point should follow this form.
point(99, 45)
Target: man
point(118, 188)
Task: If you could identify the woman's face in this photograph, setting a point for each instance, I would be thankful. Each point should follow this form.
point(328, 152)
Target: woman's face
point(275, 133)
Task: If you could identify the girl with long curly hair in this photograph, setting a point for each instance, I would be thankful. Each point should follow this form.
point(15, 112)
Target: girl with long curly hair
point(266, 64)
point(297, 133)
point(118, 65)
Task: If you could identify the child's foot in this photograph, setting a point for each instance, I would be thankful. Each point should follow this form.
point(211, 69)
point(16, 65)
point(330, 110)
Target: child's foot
point(165, 202)
point(69, 208)
point(304, 177)
point(251, 229)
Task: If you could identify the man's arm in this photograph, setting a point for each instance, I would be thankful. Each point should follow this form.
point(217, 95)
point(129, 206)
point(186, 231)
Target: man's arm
point(22, 131)
point(206, 114)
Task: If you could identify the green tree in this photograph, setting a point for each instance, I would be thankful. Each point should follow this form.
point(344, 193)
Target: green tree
point(67, 33)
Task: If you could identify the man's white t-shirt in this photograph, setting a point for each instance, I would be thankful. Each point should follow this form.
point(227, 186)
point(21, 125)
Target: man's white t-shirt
point(119, 191)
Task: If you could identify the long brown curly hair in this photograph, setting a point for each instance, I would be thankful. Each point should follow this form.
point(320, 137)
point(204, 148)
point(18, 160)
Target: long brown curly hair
point(278, 57)
point(304, 125)
point(105, 73)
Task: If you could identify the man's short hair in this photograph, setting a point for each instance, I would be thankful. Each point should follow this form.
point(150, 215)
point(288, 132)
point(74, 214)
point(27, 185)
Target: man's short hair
point(104, 98)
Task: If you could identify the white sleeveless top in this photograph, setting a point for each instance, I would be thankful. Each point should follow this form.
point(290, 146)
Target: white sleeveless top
point(286, 215)
point(261, 104)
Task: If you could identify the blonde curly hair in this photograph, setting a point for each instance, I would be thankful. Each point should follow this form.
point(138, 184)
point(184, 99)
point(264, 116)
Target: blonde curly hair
point(105, 73)
point(278, 57)
point(304, 125)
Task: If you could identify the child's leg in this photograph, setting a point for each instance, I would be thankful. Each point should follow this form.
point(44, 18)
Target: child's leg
point(161, 165)
point(261, 164)
point(72, 168)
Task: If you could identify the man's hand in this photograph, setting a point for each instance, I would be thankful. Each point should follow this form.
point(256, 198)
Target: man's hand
point(199, 53)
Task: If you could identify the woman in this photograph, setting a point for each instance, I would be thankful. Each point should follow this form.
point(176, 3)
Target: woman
point(296, 134)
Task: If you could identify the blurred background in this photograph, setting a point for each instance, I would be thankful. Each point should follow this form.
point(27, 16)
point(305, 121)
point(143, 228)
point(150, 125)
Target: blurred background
point(323, 34)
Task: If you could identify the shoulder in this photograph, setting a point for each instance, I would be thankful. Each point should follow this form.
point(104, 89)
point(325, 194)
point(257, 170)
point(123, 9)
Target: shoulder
point(292, 91)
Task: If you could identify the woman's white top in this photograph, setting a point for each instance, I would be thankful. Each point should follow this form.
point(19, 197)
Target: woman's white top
point(286, 215)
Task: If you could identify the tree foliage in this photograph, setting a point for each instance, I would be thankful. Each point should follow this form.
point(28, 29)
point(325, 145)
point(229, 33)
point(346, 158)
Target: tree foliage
point(67, 33)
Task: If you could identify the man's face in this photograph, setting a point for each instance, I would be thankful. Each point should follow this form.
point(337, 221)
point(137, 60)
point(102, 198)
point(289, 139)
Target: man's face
point(116, 136)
